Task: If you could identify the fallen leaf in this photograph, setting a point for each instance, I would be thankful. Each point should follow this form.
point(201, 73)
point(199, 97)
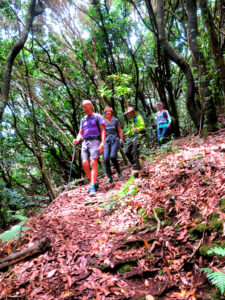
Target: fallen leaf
point(51, 273)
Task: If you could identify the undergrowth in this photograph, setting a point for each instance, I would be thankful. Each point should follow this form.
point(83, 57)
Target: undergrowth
point(216, 278)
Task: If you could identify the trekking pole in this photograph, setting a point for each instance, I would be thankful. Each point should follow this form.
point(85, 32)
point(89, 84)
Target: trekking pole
point(71, 165)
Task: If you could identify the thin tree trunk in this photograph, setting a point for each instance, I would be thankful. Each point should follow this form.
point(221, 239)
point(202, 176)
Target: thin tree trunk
point(209, 112)
point(214, 42)
point(192, 107)
point(33, 11)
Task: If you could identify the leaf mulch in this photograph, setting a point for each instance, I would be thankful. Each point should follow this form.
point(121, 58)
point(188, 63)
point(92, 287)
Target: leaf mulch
point(130, 245)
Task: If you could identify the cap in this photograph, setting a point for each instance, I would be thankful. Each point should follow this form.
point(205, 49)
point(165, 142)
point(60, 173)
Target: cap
point(129, 109)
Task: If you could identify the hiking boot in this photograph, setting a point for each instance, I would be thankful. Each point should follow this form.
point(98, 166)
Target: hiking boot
point(92, 191)
point(120, 176)
point(109, 180)
point(96, 186)
point(137, 167)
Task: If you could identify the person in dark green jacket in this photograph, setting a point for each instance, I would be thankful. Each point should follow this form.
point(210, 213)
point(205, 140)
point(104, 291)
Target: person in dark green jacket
point(134, 133)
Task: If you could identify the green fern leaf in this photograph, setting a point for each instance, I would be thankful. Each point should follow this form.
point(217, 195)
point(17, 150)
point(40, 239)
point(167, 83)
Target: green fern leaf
point(217, 250)
point(218, 278)
point(207, 270)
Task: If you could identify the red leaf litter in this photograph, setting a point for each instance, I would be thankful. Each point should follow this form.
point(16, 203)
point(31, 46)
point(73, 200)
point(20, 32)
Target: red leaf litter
point(128, 250)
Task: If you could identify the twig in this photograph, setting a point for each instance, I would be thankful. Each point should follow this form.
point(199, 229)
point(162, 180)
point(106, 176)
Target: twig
point(158, 222)
point(196, 249)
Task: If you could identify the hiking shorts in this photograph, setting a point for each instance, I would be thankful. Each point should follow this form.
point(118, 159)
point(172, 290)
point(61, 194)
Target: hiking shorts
point(90, 149)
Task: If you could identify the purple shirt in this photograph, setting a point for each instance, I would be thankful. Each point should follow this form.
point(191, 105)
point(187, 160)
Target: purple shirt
point(89, 126)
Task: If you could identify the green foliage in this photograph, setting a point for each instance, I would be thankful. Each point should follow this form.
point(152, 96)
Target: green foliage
point(13, 232)
point(217, 251)
point(216, 278)
point(215, 225)
point(121, 83)
point(222, 204)
point(196, 232)
point(141, 212)
point(160, 212)
point(125, 268)
point(118, 197)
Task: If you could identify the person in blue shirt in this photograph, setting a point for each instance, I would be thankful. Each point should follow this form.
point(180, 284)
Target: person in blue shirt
point(163, 120)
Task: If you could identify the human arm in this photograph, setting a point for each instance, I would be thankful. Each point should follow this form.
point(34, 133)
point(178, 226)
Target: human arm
point(139, 124)
point(103, 136)
point(168, 119)
point(79, 137)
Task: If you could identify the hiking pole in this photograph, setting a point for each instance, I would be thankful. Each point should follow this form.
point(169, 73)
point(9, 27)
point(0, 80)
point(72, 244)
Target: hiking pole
point(71, 165)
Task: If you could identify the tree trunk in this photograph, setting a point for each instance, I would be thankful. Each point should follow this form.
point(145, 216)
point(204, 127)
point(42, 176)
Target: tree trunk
point(214, 42)
point(192, 107)
point(17, 47)
point(209, 112)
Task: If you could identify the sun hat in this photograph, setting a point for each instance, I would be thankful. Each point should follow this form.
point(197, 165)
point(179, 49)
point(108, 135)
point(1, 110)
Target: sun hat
point(129, 109)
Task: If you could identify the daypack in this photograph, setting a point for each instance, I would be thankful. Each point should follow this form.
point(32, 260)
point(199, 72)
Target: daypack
point(165, 116)
point(96, 121)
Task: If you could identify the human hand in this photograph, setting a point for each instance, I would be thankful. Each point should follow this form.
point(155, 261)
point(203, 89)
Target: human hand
point(168, 126)
point(77, 140)
point(101, 147)
point(135, 129)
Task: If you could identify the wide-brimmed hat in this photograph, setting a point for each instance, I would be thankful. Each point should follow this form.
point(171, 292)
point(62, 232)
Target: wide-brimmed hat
point(129, 109)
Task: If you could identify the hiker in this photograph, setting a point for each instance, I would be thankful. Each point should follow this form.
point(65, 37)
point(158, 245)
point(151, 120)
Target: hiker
point(92, 133)
point(114, 138)
point(163, 122)
point(135, 134)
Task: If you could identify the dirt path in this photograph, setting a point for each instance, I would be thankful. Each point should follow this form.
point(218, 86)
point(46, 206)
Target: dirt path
point(131, 244)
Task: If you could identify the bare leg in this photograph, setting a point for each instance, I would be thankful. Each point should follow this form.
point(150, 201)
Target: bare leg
point(94, 170)
point(86, 168)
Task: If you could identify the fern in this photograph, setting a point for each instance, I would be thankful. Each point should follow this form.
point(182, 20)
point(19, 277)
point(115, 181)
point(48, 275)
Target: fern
point(218, 278)
point(217, 250)
point(207, 270)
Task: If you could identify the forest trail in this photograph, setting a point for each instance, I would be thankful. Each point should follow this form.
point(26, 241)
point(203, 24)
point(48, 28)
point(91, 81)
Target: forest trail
point(134, 239)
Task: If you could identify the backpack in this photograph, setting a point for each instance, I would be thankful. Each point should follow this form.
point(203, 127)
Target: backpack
point(165, 116)
point(96, 121)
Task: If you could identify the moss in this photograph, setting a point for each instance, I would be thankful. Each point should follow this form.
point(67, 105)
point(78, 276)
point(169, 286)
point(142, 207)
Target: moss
point(134, 190)
point(197, 231)
point(215, 225)
point(145, 219)
point(94, 265)
point(141, 212)
point(213, 294)
point(213, 216)
point(203, 250)
point(125, 268)
point(199, 220)
point(168, 222)
point(176, 227)
point(160, 212)
point(222, 204)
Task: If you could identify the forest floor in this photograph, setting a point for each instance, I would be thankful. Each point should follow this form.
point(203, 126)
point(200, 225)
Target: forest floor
point(140, 238)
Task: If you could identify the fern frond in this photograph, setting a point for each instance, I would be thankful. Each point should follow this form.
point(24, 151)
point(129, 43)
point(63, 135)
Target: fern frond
point(217, 250)
point(218, 278)
point(207, 270)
